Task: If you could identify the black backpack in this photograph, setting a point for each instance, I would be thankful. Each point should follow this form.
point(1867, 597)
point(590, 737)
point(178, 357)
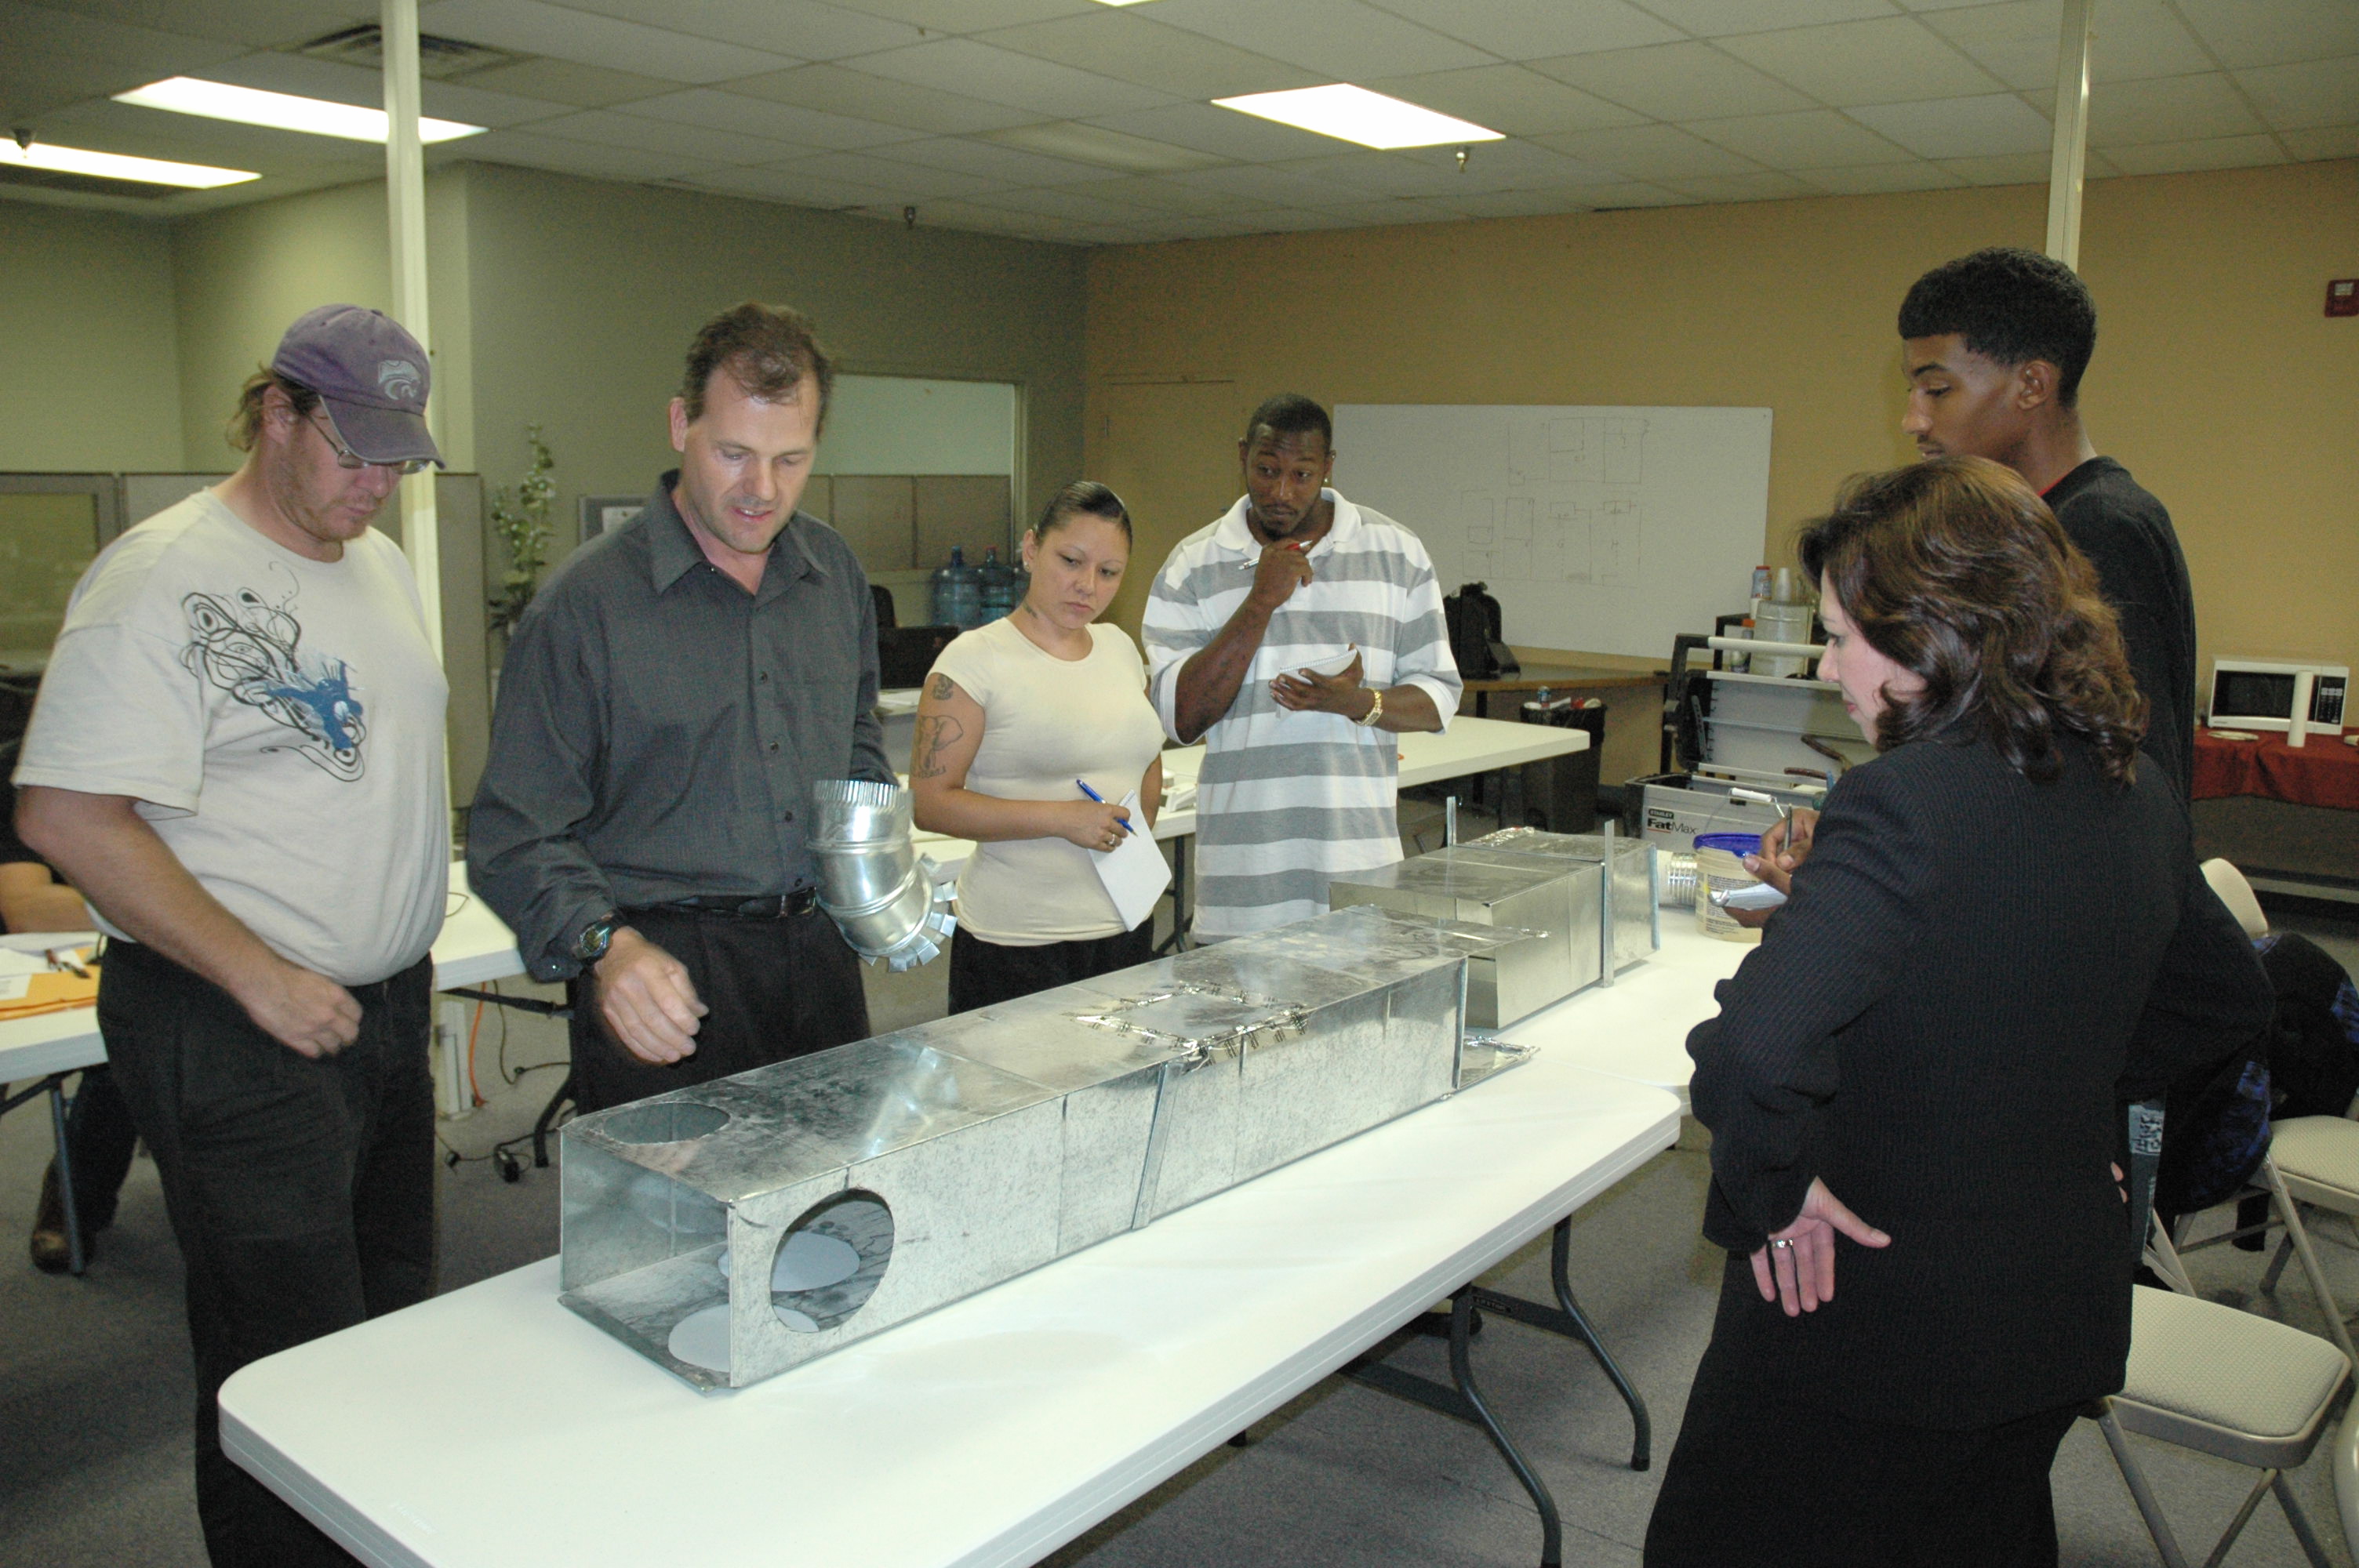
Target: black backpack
point(1472, 616)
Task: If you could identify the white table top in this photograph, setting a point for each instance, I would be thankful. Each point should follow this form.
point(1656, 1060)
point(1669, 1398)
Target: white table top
point(1638, 1027)
point(474, 947)
point(492, 1427)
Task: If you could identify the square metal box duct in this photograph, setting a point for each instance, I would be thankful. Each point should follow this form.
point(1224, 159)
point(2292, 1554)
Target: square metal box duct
point(735, 1229)
point(1632, 894)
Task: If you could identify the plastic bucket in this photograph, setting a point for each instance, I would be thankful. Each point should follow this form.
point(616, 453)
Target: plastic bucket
point(1720, 867)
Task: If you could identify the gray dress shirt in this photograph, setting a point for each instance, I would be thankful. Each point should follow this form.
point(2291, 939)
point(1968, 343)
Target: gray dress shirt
point(660, 728)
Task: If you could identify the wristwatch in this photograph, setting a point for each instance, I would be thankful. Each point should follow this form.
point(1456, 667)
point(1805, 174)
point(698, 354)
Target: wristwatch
point(1376, 710)
point(596, 938)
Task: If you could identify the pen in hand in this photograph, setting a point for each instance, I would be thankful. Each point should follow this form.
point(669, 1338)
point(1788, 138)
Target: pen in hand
point(1121, 822)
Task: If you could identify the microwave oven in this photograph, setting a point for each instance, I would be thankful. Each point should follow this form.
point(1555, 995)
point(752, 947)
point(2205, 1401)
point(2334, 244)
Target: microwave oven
point(2259, 694)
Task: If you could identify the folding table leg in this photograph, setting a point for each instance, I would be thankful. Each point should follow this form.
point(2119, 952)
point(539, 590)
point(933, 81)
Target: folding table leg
point(1567, 1319)
point(75, 1260)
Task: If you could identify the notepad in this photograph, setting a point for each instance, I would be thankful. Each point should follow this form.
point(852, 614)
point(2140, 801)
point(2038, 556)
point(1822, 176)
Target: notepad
point(1133, 871)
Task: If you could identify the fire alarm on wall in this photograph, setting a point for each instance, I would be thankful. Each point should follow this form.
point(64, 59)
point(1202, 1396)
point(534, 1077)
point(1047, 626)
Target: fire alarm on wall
point(2342, 296)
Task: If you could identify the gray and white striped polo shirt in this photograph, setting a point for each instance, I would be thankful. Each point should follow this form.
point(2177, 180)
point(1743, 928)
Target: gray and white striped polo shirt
point(1286, 800)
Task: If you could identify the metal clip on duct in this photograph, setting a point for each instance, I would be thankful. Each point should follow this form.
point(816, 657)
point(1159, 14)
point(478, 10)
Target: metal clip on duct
point(871, 881)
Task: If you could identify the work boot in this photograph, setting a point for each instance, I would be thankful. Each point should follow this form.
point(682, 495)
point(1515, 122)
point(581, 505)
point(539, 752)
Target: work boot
point(52, 1252)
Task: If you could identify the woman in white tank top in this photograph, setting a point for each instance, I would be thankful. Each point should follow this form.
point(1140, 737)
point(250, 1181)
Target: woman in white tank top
point(1016, 716)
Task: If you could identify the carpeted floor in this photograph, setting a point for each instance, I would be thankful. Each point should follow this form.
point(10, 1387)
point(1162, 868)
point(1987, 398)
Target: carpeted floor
point(93, 1404)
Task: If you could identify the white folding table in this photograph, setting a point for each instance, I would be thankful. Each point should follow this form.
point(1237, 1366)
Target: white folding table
point(1638, 1027)
point(491, 1426)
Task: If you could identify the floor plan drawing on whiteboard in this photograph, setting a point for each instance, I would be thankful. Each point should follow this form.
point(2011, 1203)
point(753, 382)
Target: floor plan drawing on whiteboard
point(1599, 529)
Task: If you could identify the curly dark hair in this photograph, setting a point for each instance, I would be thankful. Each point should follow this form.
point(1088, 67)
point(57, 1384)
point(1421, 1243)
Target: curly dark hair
point(1956, 570)
point(765, 348)
point(2011, 307)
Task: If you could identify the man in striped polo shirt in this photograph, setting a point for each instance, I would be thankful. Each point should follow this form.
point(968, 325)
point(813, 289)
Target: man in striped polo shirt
point(1301, 768)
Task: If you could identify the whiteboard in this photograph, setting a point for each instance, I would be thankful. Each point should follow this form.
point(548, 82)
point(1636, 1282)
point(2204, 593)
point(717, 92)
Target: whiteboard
point(1603, 530)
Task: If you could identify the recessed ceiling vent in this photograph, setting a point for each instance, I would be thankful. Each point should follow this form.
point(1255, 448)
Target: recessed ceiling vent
point(439, 58)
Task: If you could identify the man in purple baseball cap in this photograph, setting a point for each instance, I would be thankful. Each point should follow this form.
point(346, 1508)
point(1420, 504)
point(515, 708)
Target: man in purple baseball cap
point(237, 759)
point(371, 374)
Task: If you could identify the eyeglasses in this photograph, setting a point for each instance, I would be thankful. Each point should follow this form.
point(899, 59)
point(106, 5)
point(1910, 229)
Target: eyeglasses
point(348, 458)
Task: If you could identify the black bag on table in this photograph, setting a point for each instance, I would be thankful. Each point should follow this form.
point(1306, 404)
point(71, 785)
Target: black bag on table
point(1476, 643)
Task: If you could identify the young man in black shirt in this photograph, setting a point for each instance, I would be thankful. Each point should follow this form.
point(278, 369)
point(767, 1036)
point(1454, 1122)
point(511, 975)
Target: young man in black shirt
point(1994, 345)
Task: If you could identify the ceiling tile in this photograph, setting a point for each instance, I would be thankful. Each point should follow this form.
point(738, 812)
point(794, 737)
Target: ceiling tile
point(1344, 39)
point(1265, 184)
point(1865, 62)
point(804, 28)
point(1286, 220)
point(1356, 175)
point(1166, 195)
point(32, 85)
point(720, 110)
point(1990, 126)
point(906, 180)
point(609, 128)
point(1225, 132)
point(2274, 32)
point(1118, 152)
point(105, 127)
point(1709, 18)
point(857, 95)
point(1493, 167)
point(1006, 166)
point(1637, 194)
point(1001, 76)
point(1533, 30)
point(2016, 40)
point(956, 16)
point(1675, 81)
point(1508, 98)
point(2000, 169)
point(274, 72)
point(1133, 48)
point(259, 24)
point(2165, 108)
point(2315, 93)
point(799, 186)
point(2332, 141)
point(1079, 206)
point(2214, 152)
point(1815, 138)
point(1651, 152)
point(1877, 179)
point(1765, 186)
point(538, 28)
point(1537, 204)
point(581, 157)
point(36, 32)
point(1399, 209)
point(566, 82)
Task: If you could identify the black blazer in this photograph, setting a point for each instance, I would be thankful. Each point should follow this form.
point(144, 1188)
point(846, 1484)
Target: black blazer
point(1974, 975)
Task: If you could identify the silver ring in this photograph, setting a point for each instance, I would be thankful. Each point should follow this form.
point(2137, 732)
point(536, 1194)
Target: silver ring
point(1786, 1246)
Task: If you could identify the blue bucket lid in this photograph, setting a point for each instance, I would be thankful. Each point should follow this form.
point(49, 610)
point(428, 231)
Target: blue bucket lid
point(1738, 844)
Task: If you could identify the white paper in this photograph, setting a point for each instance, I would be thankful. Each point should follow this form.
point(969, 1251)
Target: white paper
point(16, 966)
point(1333, 666)
point(1760, 895)
point(15, 988)
point(1134, 871)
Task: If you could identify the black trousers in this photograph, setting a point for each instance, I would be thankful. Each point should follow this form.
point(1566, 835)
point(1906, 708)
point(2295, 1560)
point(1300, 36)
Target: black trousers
point(775, 989)
point(301, 1193)
point(100, 1140)
point(1760, 1478)
point(984, 972)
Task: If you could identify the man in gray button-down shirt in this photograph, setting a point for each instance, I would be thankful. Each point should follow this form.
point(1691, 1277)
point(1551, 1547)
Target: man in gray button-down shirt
point(666, 704)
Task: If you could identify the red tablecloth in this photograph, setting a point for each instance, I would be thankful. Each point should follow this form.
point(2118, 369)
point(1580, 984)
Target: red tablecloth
point(2323, 773)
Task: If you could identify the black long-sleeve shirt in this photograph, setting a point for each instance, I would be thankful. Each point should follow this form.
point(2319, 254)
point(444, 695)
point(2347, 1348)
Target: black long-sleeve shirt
point(660, 728)
point(1973, 973)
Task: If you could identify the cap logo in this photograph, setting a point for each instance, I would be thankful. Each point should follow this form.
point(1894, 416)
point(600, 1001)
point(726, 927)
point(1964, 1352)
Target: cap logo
point(398, 379)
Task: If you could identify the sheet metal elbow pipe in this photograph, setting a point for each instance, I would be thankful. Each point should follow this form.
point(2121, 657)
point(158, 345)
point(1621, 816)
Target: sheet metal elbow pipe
point(871, 881)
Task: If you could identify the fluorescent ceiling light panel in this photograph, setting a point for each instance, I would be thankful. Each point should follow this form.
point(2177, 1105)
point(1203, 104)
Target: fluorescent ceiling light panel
point(281, 111)
point(1355, 114)
point(1121, 1)
point(117, 166)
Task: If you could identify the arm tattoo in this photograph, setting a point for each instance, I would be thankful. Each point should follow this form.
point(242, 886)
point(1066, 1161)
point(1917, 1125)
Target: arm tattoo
point(933, 734)
point(943, 688)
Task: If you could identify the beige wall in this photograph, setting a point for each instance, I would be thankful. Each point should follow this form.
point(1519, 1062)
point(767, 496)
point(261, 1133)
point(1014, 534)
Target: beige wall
point(586, 295)
point(89, 373)
point(2217, 380)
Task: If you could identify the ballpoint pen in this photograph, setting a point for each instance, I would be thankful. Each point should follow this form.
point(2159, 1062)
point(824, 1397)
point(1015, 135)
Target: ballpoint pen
point(1121, 822)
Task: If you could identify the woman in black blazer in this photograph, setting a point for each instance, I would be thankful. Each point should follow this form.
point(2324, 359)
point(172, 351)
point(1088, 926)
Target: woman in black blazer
point(1998, 939)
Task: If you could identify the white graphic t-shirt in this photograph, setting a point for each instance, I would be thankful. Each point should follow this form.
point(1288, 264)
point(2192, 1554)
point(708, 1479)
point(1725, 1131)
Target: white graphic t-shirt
point(278, 718)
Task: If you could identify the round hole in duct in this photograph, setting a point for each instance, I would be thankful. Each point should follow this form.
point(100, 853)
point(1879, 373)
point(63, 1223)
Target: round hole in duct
point(664, 1121)
point(831, 1261)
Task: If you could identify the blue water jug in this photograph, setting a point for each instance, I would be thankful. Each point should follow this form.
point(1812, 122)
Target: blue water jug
point(958, 592)
point(998, 586)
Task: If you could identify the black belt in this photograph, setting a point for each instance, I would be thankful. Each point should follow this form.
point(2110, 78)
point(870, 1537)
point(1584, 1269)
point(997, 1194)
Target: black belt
point(776, 906)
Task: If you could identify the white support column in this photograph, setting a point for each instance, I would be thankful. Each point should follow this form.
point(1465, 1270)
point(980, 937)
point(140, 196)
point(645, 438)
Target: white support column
point(405, 184)
point(2072, 142)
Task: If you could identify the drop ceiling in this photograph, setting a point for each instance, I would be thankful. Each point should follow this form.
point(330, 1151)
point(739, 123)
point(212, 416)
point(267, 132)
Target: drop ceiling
point(1079, 123)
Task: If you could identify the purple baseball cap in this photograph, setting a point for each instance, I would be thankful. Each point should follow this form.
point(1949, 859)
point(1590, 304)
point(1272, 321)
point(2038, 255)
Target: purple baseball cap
point(371, 375)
